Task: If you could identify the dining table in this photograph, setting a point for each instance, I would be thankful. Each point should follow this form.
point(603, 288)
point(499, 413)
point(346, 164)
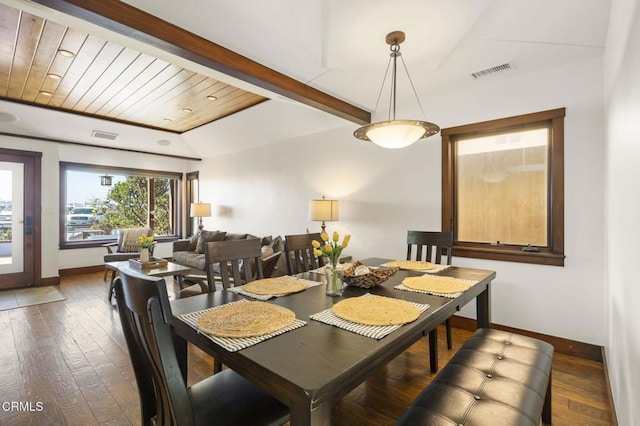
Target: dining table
point(311, 367)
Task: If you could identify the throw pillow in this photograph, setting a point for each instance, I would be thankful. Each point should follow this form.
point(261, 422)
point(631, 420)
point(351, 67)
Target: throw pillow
point(266, 241)
point(208, 236)
point(266, 251)
point(193, 242)
point(278, 244)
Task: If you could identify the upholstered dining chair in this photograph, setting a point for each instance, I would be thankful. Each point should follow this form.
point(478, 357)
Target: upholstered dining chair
point(225, 398)
point(432, 247)
point(299, 253)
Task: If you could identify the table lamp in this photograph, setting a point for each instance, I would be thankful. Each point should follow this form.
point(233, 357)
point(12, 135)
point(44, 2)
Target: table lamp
point(200, 210)
point(323, 211)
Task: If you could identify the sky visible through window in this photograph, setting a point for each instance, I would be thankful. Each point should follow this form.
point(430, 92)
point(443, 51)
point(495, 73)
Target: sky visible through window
point(82, 187)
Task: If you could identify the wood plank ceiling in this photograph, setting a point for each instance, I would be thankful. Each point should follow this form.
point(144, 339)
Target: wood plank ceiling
point(50, 65)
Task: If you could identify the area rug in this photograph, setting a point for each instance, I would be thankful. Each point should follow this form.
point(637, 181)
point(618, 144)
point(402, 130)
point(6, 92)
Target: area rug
point(18, 298)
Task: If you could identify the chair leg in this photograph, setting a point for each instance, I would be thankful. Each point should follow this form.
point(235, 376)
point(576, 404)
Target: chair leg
point(447, 326)
point(106, 271)
point(433, 350)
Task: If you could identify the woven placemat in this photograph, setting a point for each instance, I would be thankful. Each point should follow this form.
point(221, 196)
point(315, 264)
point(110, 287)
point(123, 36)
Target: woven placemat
point(236, 344)
point(426, 277)
point(373, 331)
point(242, 290)
point(411, 265)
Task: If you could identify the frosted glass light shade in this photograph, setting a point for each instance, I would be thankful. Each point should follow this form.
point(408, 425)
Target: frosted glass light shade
point(396, 134)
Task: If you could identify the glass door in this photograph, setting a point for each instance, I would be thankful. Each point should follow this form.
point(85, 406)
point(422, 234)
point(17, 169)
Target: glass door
point(11, 217)
point(19, 226)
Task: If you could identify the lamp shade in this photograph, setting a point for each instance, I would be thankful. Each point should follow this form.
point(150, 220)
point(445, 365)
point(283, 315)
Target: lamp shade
point(200, 210)
point(323, 210)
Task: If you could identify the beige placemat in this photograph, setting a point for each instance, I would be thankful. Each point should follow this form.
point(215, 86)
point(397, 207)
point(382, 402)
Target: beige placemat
point(278, 285)
point(412, 265)
point(373, 331)
point(376, 311)
point(241, 289)
point(236, 344)
point(436, 285)
point(251, 319)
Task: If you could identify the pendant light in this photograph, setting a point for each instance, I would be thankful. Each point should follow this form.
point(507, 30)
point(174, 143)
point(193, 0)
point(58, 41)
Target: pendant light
point(396, 133)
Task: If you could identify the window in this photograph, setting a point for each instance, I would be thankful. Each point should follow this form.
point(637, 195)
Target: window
point(192, 196)
point(96, 201)
point(502, 188)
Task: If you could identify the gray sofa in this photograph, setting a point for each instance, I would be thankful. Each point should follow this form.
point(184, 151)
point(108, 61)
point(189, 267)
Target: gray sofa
point(190, 252)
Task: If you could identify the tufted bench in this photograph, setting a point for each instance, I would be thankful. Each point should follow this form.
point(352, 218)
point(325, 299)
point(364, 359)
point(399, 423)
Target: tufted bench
point(496, 378)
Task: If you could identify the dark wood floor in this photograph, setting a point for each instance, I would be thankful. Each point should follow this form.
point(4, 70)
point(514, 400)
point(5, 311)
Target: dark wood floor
point(71, 358)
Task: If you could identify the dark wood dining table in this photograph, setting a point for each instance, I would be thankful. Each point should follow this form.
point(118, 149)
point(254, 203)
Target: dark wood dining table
point(313, 366)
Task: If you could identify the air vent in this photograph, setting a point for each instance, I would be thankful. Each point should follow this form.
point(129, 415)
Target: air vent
point(497, 68)
point(104, 135)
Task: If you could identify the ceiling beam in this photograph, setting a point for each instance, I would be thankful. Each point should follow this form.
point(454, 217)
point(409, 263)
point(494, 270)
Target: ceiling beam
point(129, 21)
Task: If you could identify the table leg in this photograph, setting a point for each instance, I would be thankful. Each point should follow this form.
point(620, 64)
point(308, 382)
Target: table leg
point(483, 308)
point(433, 350)
point(302, 415)
point(180, 346)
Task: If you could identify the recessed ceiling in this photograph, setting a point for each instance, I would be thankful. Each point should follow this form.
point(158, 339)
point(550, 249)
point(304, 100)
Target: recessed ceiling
point(47, 64)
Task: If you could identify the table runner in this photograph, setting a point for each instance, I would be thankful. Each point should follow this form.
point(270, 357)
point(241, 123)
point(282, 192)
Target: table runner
point(236, 344)
point(373, 331)
point(240, 290)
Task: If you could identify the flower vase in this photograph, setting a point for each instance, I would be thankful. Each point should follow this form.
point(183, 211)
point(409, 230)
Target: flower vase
point(144, 255)
point(333, 277)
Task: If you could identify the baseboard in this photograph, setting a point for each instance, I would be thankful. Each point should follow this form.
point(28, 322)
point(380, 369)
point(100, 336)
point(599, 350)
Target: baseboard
point(614, 416)
point(561, 345)
point(50, 281)
point(81, 270)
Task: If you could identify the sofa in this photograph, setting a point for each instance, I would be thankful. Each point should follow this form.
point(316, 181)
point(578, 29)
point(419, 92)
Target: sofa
point(190, 252)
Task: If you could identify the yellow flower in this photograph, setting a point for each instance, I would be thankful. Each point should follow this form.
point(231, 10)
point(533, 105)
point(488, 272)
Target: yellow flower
point(328, 247)
point(345, 242)
point(317, 253)
point(315, 244)
point(324, 236)
point(336, 237)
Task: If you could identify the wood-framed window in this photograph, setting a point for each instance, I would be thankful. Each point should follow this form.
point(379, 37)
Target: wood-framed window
point(503, 188)
point(97, 201)
point(192, 196)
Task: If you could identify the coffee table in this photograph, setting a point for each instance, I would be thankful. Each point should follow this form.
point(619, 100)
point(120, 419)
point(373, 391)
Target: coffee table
point(169, 269)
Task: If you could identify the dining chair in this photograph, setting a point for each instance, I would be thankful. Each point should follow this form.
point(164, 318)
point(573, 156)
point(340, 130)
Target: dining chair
point(225, 398)
point(432, 247)
point(299, 253)
point(202, 284)
point(233, 262)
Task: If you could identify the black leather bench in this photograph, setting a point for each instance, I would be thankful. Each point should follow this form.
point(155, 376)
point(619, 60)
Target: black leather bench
point(496, 378)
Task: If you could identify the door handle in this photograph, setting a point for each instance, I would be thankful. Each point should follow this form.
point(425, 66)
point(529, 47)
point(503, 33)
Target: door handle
point(28, 225)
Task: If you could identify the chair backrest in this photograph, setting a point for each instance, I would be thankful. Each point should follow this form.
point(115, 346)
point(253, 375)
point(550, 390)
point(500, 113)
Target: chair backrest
point(235, 259)
point(162, 388)
point(299, 253)
point(430, 246)
point(128, 239)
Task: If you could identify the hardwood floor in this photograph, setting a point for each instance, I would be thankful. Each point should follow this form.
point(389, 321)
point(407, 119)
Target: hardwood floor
point(67, 363)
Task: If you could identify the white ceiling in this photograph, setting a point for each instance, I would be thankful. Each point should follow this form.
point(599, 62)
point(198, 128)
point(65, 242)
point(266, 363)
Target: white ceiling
point(338, 47)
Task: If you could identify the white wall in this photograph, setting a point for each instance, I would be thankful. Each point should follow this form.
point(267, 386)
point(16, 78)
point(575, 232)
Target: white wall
point(622, 71)
point(383, 193)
